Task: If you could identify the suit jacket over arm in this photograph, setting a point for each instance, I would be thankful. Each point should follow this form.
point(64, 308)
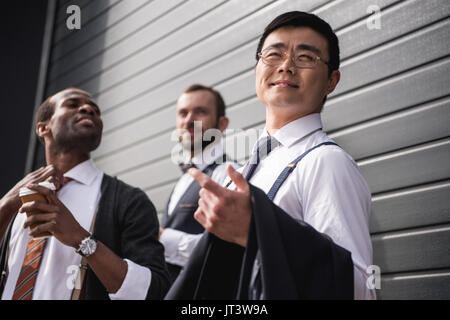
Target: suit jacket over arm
point(297, 261)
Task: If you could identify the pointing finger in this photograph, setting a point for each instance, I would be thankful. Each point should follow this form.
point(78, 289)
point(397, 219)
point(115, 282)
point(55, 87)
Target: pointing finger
point(206, 182)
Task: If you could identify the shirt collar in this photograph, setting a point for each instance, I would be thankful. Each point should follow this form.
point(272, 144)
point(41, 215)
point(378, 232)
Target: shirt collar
point(210, 153)
point(84, 172)
point(295, 130)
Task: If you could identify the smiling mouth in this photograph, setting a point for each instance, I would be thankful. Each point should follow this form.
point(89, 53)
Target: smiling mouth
point(284, 84)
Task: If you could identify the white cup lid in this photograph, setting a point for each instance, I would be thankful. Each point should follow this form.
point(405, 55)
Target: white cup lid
point(25, 191)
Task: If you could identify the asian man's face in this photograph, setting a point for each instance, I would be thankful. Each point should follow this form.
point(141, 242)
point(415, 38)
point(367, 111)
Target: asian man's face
point(287, 88)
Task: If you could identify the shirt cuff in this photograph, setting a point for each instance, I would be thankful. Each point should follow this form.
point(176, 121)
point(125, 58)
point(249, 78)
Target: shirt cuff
point(178, 245)
point(136, 283)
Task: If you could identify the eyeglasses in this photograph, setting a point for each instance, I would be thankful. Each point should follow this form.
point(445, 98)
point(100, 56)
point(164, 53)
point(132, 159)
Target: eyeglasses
point(304, 59)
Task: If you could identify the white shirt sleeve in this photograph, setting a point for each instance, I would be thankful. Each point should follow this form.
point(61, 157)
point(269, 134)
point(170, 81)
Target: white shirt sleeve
point(338, 204)
point(178, 245)
point(136, 283)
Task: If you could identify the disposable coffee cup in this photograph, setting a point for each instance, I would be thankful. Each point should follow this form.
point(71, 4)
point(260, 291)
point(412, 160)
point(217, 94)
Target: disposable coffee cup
point(28, 195)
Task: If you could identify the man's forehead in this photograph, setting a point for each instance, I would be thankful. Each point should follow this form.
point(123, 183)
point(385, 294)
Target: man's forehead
point(296, 36)
point(195, 99)
point(70, 94)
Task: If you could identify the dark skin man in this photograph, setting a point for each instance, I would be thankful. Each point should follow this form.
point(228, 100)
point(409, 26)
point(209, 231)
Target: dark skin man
point(73, 131)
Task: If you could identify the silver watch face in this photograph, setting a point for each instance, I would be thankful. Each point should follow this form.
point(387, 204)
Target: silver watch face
point(88, 246)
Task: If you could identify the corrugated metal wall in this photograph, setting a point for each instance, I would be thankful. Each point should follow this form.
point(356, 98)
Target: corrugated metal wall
point(391, 110)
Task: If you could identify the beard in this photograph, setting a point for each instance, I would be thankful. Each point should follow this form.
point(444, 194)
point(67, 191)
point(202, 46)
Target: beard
point(73, 138)
point(196, 143)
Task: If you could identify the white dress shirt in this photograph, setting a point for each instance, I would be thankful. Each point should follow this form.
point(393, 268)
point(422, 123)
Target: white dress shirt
point(326, 190)
point(178, 245)
point(58, 269)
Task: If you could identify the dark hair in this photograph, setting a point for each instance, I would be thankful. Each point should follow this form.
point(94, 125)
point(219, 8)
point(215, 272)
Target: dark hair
point(304, 19)
point(220, 104)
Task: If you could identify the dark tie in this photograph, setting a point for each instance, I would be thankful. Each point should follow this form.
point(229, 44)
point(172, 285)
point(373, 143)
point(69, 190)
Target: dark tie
point(264, 147)
point(186, 166)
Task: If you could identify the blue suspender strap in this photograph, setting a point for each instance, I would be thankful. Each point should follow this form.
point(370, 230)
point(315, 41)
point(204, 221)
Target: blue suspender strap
point(290, 167)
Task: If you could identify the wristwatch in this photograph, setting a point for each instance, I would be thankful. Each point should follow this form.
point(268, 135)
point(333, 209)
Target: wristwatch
point(87, 246)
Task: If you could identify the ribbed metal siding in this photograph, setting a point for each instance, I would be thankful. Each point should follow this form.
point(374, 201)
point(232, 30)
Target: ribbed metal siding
point(391, 110)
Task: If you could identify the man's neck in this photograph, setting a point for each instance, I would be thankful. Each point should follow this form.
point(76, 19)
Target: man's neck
point(65, 161)
point(276, 119)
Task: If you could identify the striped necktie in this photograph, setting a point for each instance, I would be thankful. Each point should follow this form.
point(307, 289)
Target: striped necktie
point(30, 266)
point(264, 147)
point(29, 271)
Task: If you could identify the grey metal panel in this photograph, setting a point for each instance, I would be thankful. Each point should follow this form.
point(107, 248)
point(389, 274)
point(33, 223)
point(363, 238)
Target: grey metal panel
point(427, 44)
point(114, 14)
point(388, 96)
point(135, 71)
point(408, 167)
point(130, 35)
point(434, 285)
point(61, 14)
point(89, 11)
point(411, 207)
point(417, 249)
point(339, 14)
point(398, 130)
point(139, 155)
point(395, 21)
point(160, 195)
point(157, 174)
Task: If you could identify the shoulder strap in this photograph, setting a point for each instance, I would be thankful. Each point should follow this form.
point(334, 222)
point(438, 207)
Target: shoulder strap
point(210, 168)
point(80, 282)
point(289, 168)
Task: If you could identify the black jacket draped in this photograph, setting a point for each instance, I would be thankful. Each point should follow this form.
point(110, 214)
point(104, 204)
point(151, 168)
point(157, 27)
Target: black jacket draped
point(297, 262)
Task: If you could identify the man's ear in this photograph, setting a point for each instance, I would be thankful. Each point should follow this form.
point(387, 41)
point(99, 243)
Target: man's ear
point(42, 129)
point(333, 80)
point(223, 123)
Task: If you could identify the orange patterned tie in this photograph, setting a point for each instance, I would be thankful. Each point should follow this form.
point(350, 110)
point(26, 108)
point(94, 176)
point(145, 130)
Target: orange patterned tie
point(29, 271)
point(30, 266)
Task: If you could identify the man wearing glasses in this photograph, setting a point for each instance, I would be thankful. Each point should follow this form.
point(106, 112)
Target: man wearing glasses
point(293, 224)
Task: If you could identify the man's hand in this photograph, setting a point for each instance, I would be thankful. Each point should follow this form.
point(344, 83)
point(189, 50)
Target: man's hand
point(59, 221)
point(161, 230)
point(11, 200)
point(54, 217)
point(223, 212)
